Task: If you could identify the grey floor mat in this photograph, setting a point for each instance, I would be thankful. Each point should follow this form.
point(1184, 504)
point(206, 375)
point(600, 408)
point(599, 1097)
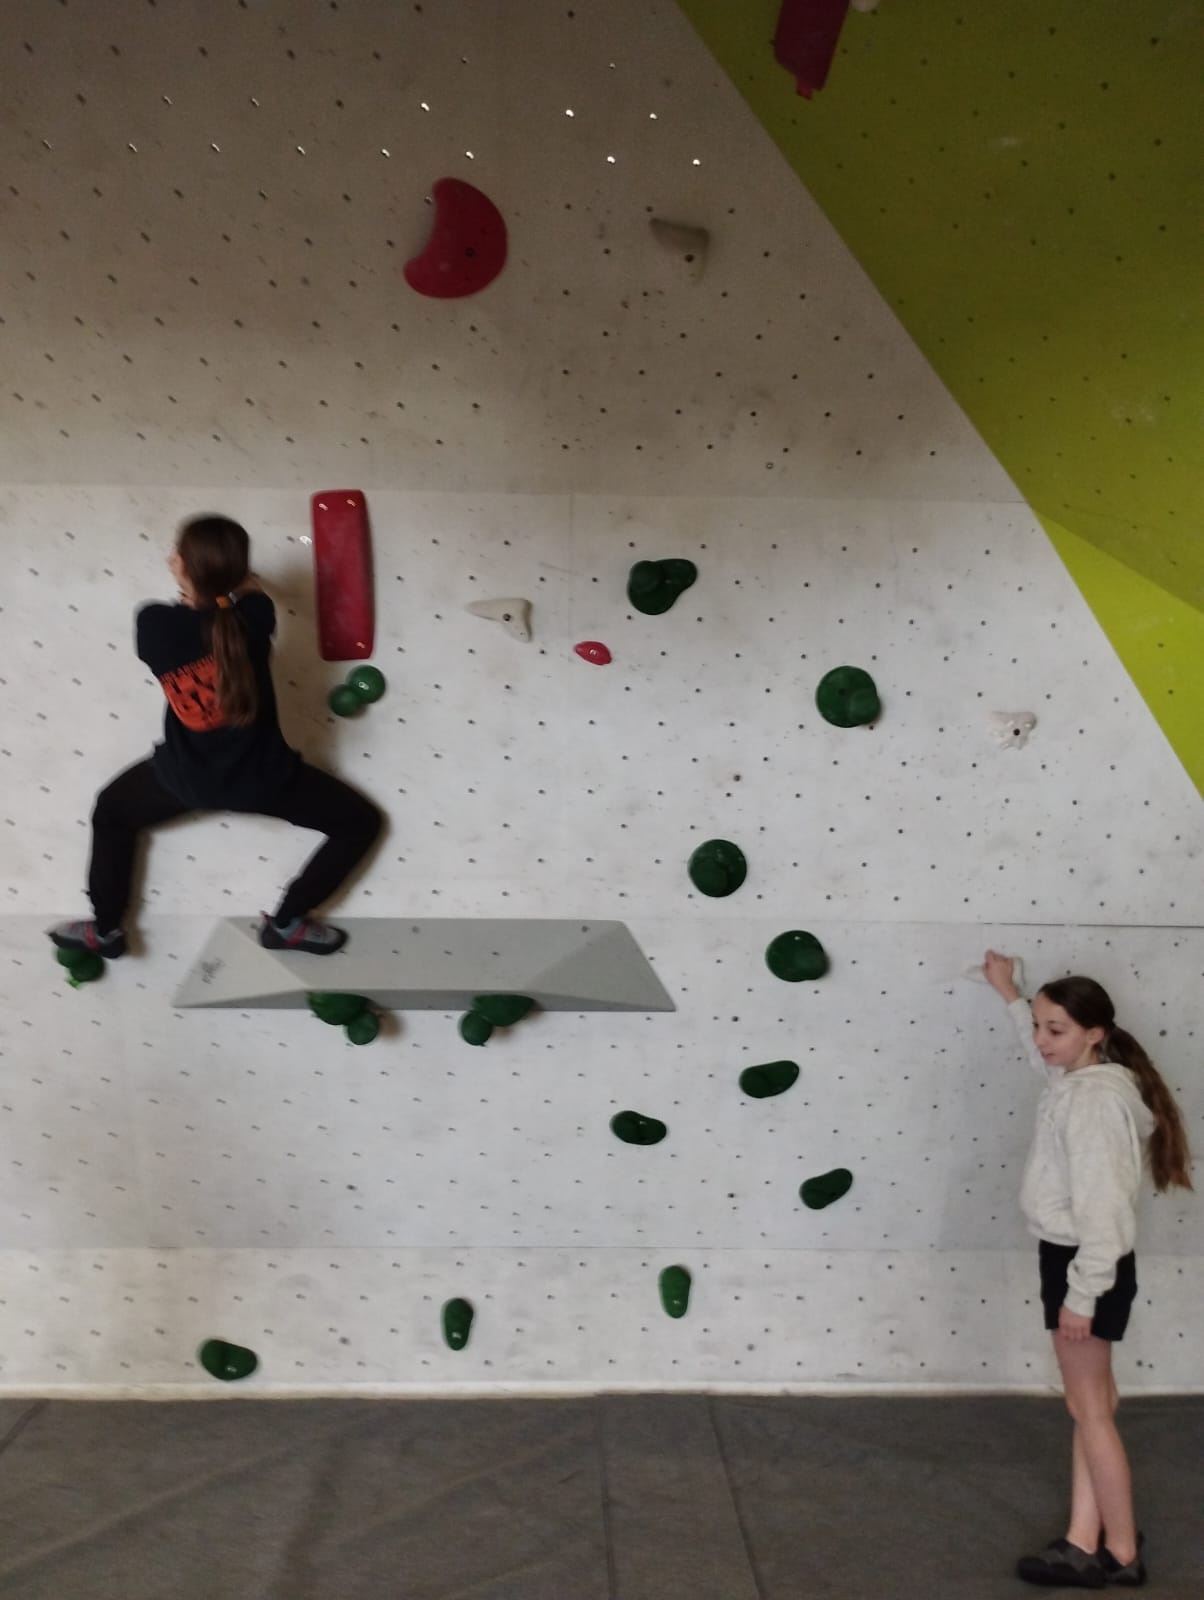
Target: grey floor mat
point(615, 1498)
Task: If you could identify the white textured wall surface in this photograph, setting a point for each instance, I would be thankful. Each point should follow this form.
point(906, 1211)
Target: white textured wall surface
point(169, 1176)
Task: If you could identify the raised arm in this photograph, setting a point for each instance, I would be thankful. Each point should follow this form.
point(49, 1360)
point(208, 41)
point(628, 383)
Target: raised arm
point(997, 970)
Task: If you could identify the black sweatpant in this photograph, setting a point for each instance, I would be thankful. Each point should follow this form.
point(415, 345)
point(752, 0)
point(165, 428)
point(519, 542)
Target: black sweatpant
point(310, 799)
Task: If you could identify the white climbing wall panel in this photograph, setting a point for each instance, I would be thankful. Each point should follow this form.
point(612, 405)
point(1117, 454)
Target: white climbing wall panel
point(207, 208)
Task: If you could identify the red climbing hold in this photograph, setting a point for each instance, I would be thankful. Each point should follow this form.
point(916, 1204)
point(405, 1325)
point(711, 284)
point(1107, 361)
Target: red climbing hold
point(593, 651)
point(467, 246)
point(805, 40)
point(343, 574)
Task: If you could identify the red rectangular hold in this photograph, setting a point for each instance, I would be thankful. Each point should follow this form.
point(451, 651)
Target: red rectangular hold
point(806, 38)
point(343, 574)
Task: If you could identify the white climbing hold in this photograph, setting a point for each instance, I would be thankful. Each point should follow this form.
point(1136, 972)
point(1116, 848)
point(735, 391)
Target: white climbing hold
point(514, 615)
point(865, 5)
point(681, 239)
point(1011, 728)
point(974, 970)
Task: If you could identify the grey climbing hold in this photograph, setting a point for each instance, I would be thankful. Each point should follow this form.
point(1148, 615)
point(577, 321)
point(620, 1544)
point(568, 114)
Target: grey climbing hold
point(1011, 729)
point(689, 244)
point(514, 615)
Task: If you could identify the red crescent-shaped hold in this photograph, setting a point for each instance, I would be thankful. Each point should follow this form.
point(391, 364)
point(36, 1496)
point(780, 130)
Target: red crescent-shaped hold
point(593, 651)
point(467, 246)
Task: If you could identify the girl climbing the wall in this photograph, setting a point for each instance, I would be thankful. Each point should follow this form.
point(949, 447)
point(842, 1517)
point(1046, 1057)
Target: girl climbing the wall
point(222, 749)
point(1104, 1114)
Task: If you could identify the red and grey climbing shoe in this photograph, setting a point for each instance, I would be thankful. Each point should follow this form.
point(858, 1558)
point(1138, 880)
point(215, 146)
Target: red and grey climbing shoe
point(86, 936)
point(302, 935)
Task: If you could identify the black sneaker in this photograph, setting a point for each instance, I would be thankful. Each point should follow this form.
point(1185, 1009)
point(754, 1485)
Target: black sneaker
point(85, 936)
point(1062, 1565)
point(1131, 1576)
point(301, 935)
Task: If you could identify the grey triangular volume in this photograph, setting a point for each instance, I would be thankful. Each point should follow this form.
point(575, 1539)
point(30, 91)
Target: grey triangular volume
point(436, 965)
point(685, 241)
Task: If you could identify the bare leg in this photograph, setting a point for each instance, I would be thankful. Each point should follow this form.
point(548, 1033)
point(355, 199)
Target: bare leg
point(1099, 1456)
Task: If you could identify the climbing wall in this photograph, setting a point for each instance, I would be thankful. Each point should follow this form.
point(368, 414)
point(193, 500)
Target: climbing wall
point(204, 306)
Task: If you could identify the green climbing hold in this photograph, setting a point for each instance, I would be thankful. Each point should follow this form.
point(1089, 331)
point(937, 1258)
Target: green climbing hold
point(653, 586)
point(847, 697)
point(502, 1010)
point(344, 701)
point(820, 1192)
point(774, 1077)
point(229, 1362)
point(633, 1128)
point(675, 1291)
point(82, 966)
point(364, 1028)
point(457, 1323)
point(475, 1028)
point(337, 1009)
point(718, 868)
point(366, 684)
point(796, 955)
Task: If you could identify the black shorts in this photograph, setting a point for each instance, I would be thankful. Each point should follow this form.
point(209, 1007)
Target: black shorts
point(1111, 1310)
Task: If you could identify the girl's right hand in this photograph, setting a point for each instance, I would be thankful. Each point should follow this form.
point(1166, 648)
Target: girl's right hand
point(997, 970)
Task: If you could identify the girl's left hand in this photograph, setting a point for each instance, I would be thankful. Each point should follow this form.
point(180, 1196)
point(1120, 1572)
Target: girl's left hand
point(1073, 1327)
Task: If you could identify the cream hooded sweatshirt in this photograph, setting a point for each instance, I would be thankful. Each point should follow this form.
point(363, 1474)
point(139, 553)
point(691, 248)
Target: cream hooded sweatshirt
point(1084, 1169)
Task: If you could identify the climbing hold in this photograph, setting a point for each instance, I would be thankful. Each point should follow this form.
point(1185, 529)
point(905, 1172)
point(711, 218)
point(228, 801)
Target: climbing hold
point(82, 966)
point(805, 40)
point(343, 587)
point(976, 972)
point(344, 701)
point(796, 955)
point(593, 651)
point(1011, 729)
point(364, 1028)
point(847, 697)
point(457, 1323)
point(865, 5)
point(633, 1128)
point(514, 615)
point(689, 244)
point(773, 1077)
point(229, 1362)
point(475, 1028)
point(467, 246)
point(653, 586)
point(502, 1010)
point(337, 1009)
point(717, 868)
point(817, 1193)
point(675, 1290)
point(366, 683)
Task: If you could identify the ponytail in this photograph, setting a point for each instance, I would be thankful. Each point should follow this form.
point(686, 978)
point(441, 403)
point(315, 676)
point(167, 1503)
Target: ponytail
point(1170, 1157)
point(237, 689)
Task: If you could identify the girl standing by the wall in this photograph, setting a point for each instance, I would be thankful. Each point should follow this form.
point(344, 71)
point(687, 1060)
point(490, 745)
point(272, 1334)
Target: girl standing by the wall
point(1104, 1113)
point(222, 749)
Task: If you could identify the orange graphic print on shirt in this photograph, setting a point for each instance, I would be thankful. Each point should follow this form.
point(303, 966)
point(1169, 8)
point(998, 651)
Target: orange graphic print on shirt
point(192, 694)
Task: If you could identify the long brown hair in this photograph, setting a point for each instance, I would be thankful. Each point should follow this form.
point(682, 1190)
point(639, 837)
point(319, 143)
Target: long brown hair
point(216, 553)
point(1090, 1005)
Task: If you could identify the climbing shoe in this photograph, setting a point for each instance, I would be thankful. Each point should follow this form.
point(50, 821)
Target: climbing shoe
point(302, 935)
point(1131, 1576)
point(85, 936)
point(1062, 1565)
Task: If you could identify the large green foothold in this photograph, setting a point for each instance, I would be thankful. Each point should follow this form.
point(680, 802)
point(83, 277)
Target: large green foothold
point(773, 1077)
point(633, 1128)
point(717, 868)
point(82, 966)
point(820, 1192)
point(475, 1028)
point(337, 1009)
point(229, 1362)
point(653, 586)
point(847, 697)
point(366, 684)
point(457, 1323)
point(364, 1028)
point(502, 1010)
point(796, 955)
point(344, 701)
point(675, 1291)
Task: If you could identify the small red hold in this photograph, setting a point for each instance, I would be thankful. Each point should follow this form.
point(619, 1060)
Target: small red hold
point(594, 651)
point(806, 38)
point(467, 246)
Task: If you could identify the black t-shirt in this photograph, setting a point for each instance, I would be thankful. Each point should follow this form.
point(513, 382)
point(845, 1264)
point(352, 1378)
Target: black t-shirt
point(203, 760)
